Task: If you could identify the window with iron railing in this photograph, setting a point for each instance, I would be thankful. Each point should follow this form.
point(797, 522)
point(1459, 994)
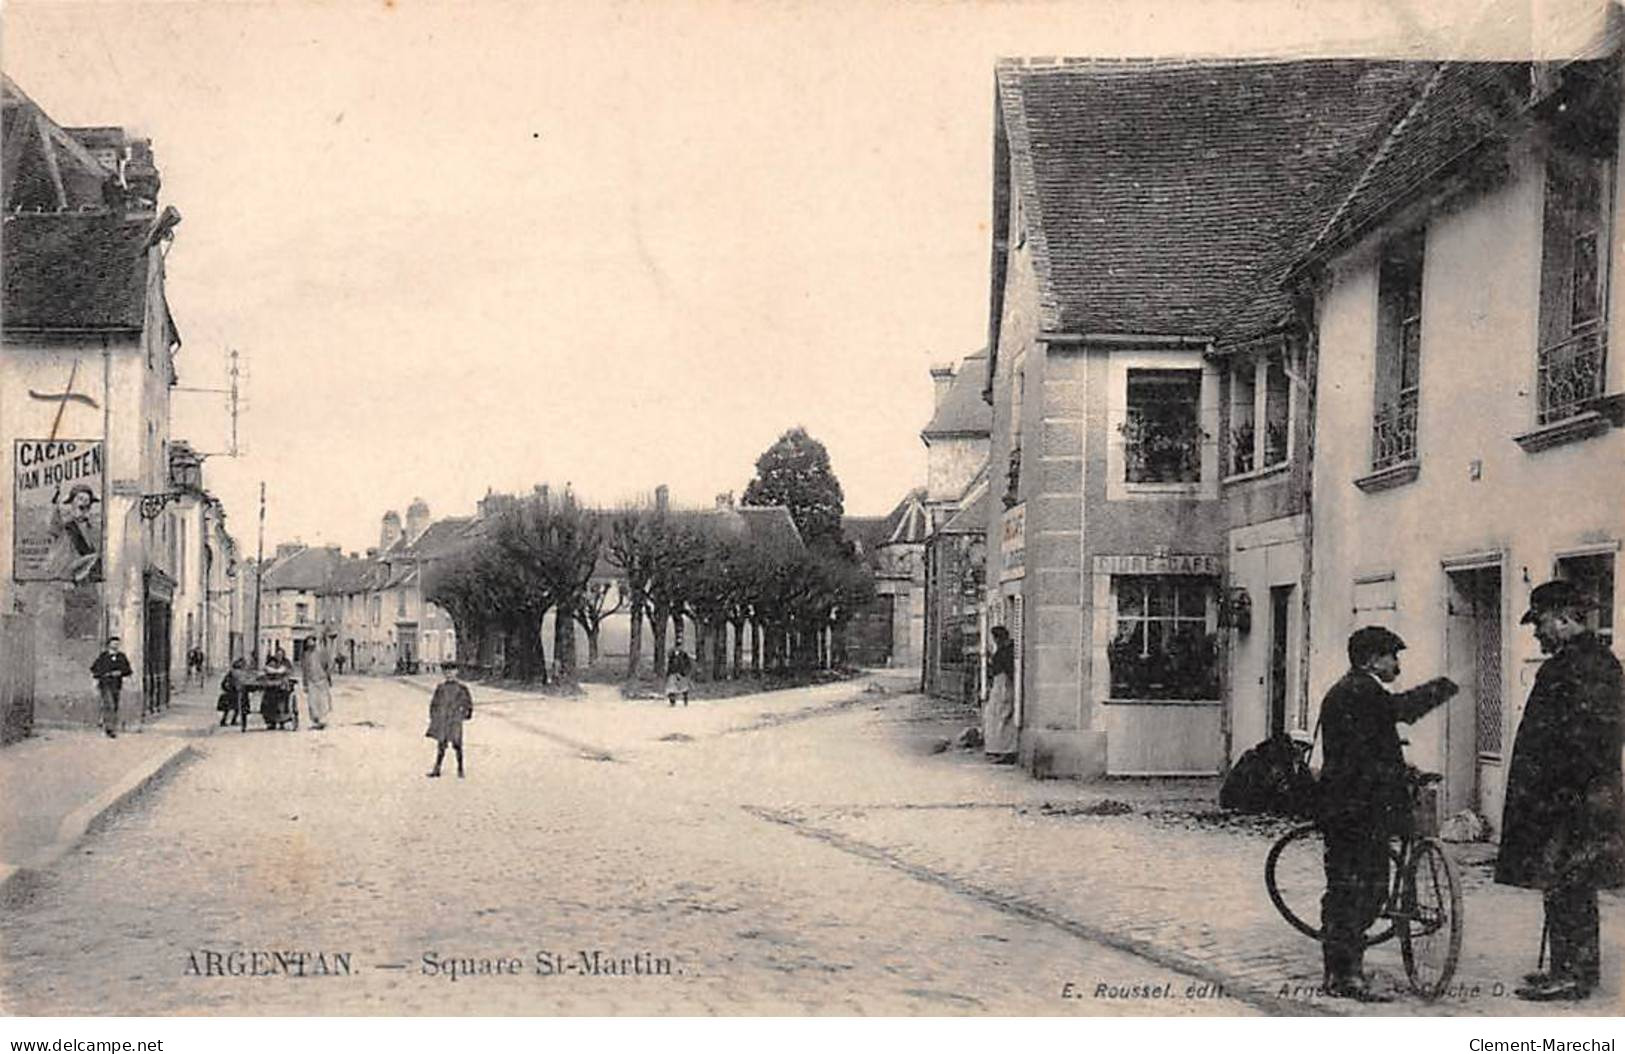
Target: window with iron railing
point(1260, 391)
point(1162, 429)
point(1572, 357)
point(1399, 353)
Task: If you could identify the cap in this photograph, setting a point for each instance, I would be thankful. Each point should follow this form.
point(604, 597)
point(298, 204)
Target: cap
point(77, 487)
point(1369, 642)
point(1552, 595)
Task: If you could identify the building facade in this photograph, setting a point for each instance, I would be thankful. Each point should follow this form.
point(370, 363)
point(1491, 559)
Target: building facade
point(88, 352)
point(1468, 408)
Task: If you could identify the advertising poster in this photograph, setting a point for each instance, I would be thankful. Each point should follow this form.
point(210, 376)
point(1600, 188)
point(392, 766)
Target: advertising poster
point(58, 503)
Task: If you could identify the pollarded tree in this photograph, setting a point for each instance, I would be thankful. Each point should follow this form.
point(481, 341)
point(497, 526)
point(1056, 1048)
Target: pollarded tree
point(633, 548)
point(556, 543)
point(795, 472)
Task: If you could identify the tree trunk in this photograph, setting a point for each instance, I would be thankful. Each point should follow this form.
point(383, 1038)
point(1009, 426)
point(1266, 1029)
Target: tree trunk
point(756, 647)
point(719, 650)
point(592, 646)
point(739, 647)
point(702, 669)
point(658, 616)
point(634, 659)
point(564, 641)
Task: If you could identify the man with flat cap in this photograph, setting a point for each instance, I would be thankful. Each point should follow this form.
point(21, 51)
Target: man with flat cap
point(1563, 828)
point(1364, 798)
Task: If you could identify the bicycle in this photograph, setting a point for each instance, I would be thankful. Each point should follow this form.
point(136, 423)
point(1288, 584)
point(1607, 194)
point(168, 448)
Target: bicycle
point(1423, 906)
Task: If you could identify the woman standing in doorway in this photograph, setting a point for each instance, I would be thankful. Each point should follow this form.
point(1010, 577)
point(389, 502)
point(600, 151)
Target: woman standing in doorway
point(999, 711)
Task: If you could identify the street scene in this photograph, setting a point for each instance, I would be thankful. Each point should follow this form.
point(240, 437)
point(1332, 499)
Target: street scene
point(539, 522)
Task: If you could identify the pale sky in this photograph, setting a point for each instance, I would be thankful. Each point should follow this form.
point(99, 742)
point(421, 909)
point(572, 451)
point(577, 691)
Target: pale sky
point(487, 245)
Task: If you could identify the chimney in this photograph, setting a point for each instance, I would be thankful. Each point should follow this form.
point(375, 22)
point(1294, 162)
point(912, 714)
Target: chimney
point(391, 530)
point(942, 378)
point(662, 498)
point(372, 553)
point(417, 519)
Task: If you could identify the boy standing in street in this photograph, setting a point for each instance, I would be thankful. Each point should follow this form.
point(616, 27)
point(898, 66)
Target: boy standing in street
point(109, 670)
point(450, 707)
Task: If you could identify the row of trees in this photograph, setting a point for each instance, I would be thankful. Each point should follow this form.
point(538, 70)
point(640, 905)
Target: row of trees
point(548, 554)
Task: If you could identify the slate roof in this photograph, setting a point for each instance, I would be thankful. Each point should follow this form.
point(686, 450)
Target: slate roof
point(1157, 192)
point(309, 569)
point(972, 516)
point(963, 411)
point(64, 271)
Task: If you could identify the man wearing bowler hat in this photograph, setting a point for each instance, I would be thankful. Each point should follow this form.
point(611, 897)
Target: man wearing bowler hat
point(1563, 828)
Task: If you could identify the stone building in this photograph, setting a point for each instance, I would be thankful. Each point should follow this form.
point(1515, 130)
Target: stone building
point(1142, 394)
point(891, 631)
point(956, 443)
point(88, 354)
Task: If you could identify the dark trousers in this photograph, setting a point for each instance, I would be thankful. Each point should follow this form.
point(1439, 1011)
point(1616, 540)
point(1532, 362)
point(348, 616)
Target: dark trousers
point(1356, 889)
point(109, 693)
point(1572, 930)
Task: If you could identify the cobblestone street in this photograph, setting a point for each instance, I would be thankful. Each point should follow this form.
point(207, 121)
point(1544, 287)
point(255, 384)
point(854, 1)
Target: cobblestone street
point(590, 825)
point(813, 851)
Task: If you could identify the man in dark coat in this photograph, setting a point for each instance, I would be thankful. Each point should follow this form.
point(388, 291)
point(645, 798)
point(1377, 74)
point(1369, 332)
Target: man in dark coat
point(109, 670)
point(1563, 829)
point(450, 707)
point(1364, 798)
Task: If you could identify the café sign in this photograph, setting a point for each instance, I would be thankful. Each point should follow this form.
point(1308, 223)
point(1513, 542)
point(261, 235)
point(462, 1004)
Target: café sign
point(1158, 564)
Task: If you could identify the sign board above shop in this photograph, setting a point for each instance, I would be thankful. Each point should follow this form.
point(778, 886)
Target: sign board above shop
point(1158, 564)
point(1013, 543)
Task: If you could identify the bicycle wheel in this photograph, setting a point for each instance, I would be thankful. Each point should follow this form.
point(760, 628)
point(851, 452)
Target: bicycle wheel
point(1429, 919)
point(1295, 875)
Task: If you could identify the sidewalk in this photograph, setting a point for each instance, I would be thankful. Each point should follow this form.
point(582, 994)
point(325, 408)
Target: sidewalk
point(1156, 868)
point(59, 783)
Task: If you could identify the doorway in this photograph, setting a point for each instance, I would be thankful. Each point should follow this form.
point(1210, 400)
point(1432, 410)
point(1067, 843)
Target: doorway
point(1474, 726)
point(1280, 619)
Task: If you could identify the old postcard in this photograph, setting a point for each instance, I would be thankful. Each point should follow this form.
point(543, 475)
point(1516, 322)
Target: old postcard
point(925, 509)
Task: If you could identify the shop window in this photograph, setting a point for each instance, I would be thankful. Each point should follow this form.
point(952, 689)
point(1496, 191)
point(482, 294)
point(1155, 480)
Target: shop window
point(1164, 645)
point(1162, 429)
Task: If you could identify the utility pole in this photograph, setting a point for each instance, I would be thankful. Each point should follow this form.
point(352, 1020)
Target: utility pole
point(259, 576)
point(234, 401)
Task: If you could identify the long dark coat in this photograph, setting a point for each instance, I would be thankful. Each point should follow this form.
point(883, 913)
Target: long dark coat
point(448, 709)
point(1363, 783)
point(1564, 821)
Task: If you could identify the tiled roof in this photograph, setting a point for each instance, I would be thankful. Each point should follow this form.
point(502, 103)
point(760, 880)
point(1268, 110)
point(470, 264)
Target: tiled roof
point(309, 569)
point(64, 271)
point(770, 524)
point(440, 537)
point(1458, 108)
point(963, 411)
point(1158, 194)
point(356, 575)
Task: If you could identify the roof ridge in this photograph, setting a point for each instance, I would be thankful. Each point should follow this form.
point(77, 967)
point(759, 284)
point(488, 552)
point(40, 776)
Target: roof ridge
point(1383, 151)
